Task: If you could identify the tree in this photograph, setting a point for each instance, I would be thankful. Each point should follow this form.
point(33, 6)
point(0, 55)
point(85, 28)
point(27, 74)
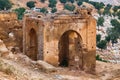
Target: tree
point(30, 4)
point(107, 38)
point(97, 5)
point(69, 7)
point(5, 4)
point(118, 14)
point(114, 35)
point(54, 10)
point(72, 1)
point(114, 39)
point(44, 10)
point(102, 44)
point(115, 8)
point(100, 59)
point(20, 12)
point(107, 10)
point(114, 32)
point(98, 38)
point(100, 22)
point(79, 3)
point(63, 1)
point(115, 23)
point(108, 6)
point(52, 3)
point(83, 0)
point(42, 1)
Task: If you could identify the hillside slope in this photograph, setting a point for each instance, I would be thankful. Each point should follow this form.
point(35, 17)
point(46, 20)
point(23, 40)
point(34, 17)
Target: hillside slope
point(22, 3)
point(112, 2)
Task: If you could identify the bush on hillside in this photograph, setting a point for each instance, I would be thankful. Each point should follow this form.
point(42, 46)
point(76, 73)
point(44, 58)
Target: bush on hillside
point(98, 38)
point(5, 4)
point(100, 59)
point(52, 3)
point(44, 10)
point(79, 3)
point(42, 1)
point(63, 1)
point(69, 7)
point(30, 4)
point(20, 12)
point(102, 44)
point(72, 1)
point(54, 10)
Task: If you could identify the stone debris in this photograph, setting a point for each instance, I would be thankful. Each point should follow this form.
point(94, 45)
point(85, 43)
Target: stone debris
point(3, 50)
point(58, 77)
point(45, 66)
point(21, 72)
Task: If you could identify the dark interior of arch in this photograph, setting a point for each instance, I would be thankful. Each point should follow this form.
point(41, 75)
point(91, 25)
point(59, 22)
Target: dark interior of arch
point(33, 46)
point(69, 48)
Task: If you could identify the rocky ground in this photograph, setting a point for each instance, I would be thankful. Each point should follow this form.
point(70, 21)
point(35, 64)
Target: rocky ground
point(18, 70)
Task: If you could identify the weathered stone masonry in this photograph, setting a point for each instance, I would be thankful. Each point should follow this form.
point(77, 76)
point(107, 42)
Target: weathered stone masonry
point(61, 39)
point(11, 31)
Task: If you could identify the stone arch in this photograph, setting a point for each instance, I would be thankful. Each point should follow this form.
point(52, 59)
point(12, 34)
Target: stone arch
point(70, 49)
point(33, 44)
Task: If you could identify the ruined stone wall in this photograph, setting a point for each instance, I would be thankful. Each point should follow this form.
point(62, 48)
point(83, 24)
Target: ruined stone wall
point(7, 16)
point(36, 25)
point(49, 33)
point(53, 32)
point(11, 30)
point(90, 49)
point(86, 28)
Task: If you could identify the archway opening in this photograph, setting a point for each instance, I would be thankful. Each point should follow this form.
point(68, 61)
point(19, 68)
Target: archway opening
point(70, 50)
point(33, 46)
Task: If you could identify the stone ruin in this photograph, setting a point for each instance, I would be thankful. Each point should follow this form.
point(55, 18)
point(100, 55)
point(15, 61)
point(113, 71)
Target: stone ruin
point(61, 39)
point(11, 31)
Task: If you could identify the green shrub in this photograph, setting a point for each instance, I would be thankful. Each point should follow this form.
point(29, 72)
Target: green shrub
point(72, 1)
point(54, 10)
point(98, 38)
point(79, 3)
point(102, 44)
point(52, 3)
point(20, 12)
point(42, 1)
point(43, 10)
point(100, 21)
point(5, 4)
point(100, 59)
point(69, 7)
point(97, 5)
point(30, 4)
point(63, 1)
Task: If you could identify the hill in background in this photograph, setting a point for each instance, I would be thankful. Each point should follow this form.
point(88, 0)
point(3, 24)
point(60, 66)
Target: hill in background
point(112, 2)
point(22, 3)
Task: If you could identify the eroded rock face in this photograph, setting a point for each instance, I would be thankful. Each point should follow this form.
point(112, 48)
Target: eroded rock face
point(62, 39)
point(3, 50)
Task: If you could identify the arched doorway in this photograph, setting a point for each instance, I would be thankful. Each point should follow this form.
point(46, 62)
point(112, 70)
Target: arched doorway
point(33, 45)
point(70, 49)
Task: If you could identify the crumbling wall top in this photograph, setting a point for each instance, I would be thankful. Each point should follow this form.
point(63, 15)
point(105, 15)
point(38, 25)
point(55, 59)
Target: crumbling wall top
point(81, 13)
point(7, 15)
